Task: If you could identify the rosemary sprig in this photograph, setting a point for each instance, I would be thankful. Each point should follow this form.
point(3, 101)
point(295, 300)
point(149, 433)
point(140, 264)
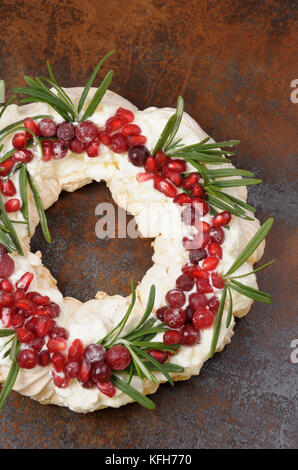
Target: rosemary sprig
point(23, 179)
point(217, 324)
point(6, 105)
point(39, 207)
point(13, 372)
point(17, 123)
point(22, 128)
point(132, 392)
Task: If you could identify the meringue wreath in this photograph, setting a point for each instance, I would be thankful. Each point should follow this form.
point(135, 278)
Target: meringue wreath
point(113, 350)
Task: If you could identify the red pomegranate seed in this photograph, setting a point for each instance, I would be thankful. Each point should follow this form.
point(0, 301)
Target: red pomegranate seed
point(203, 226)
point(6, 299)
point(114, 124)
point(43, 326)
point(19, 294)
point(58, 332)
point(8, 188)
point(159, 356)
point(217, 281)
point(126, 114)
point(197, 190)
point(85, 371)
point(6, 317)
point(190, 216)
point(161, 158)
point(193, 242)
point(160, 312)
point(92, 149)
point(210, 263)
point(203, 286)
point(72, 369)
point(47, 148)
point(37, 344)
point(214, 249)
point(30, 124)
point(175, 298)
point(104, 138)
point(223, 218)
point(197, 300)
point(13, 205)
point(31, 324)
point(217, 235)
point(60, 149)
point(17, 320)
point(38, 299)
point(6, 167)
point(150, 165)
point(174, 317)
point(19, 141)
point(194, 271)
point(133, 140)
point(44, 358)
point(27, 359)
point(213, 304)
point(143, 177)
point(182, 199)
point(118, 143)
point(6, 285)
point(25, 281)
point(131, 129)
point(195, 256)
point(175, 177)
point(66, 131)
point(47, 127)
point(118, 357)
point(200, 205)
point(24, 335)
point(107, 388)
point(6, 266)
point(176, 165)
point(185, 283)
point(164, 186)
point(23, 156)
point(172, 337)
point(190, 335)
point(58, 361)
point(75, 352)
point(101, 371)
point(86, 131)
point(60, 382)
point(202, 318)
point(76, 146)
point(26, 305)
point(56, 344)
point(190, 180)
point(52, 310)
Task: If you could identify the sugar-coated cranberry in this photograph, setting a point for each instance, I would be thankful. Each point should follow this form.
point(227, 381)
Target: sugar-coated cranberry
point(160, 312)
point(86, 131)
point(217, 281)
point(58, 332)
point(118, 143)
point(174, 317)
point(47, 127)
point(66, 131)
point(189, 313)
point(202, 318)
point(95, 353)
point(190, 335)
point(27, 359)
point(101, 371)
point(76, 146)
point(137, 155)
point(213, 304)
point(118, 357)
point(185, 282)
point(197, 300)
point(204, 286)
point(175, 298)
point(23, 156)
point(217, 235)
point(60, 149)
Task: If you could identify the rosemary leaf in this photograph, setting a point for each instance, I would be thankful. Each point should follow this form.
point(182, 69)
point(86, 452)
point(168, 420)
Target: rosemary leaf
point(23, 179)
point(254, 271)
point(230, 311)
point(98, 95)
point(218, 322)
point(250, 292)
point(148, 310)
point(157, 364)
point(11, 377)
point(6, 332)
point(171, 128)
point(139, 364)
point(224, 172)
point(236, 183)
point(17, 123)
point(132, 392)
point(39, 207)
point(6, 241)
point(3, 109)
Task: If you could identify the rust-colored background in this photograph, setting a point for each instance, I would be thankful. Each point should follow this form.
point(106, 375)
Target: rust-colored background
point(233, 61)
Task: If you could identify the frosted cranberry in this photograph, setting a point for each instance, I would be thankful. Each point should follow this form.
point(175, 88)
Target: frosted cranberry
point(182, 199)
point(72, 369)
point(107, 388)
point(131, 129)
point(150, 165)
point(223, 218)
point(118, 357)
point(189, 313)
point(118, 143)
point(159, 356)
point(126, 114)
point(27, 359)
point(76, 146)
point(47, 127)
point(37, 344)
point(175, 298)
point(66, 131)
point(217, 235)
point(19, 141)
point(172, 337)
point(214, 249)
point(114, 124)
point(86, 131)
point(197, 190)
point(8, 188)
point(202, 318)
point(95, 353)
point(58, 361)
point(143, 177)
point(57, 344)
point(44, 358)
point(185, 283)
point(104, 138)
point(213, 304)
point(101, 371)
point(195, 256)
point(58, 332)
point(190, 335)
point(197, 300)
point(138, 155)
point(217, 281)
point(190, 216)
point(190, 180)
point(6, 299)
point(204, 286)
point(210, 263)
point(23, 156)
point(160, 312)
point(44, 326)
point(161, 158)
point(17, 320)
point(60, 149)
point(60, 382)
point(24, 335)
point(47, 148)
point(75, 352)
point(200, 205)
point(30, 124)
point(6, 167)
point(13, 205)
point(85, 371)
point(92, 149)
point(25, 281)
point(164, 186)
point(193, 242)
point(174, 317)
point(133, 140)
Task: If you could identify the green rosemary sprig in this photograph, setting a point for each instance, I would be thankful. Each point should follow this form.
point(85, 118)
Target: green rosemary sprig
point(2, 111)
point(17, 123)
point(39, 207)
point(14, 368)
point(23, 180)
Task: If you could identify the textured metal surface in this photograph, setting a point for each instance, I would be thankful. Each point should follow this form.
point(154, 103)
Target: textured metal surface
point(233, 61)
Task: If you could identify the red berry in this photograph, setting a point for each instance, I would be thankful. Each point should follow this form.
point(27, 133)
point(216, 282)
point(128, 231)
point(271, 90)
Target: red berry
point(107, 388)
point(60, 149)
point(6, 266)
point(185, 283)
point(217, 281)
point(143, 177)
point(27, 359)
point(37, 343)
point(210, 263)
point(104, 138)
point(7, 188)
point(19, 294)
point(174, 317)
point(44, 326)
point(75, 352)
point(200, 205)
point(51, 310)
point(114, 124)
point(12, 205)
point(76, 146)
point(58, 332)
point(160, 312)
point(223, 218)
point(172, 337)
point(214, 249)
point(92, 149)
point(66, 131)
point(19, 141)
point(25, 281)
point(176, 165)
point(118, 357)
point(24, 335)
point(44, 358)
point(138, 155)
point(22, 156)
point(190, 180)
point(203, 226)
point(6, 317)
point(56, 344)
point(182, 199)
point(38, 299)
point(72, 369)
point(189, 314)
point(133, 140)
point(150, 165)
point(175, 298)
point(159, 356)
point(6, 299)
point(85, 371)
point(161, 158)
point(17, 320)
point(86, 131)
point(197, 190)
point(47, 148)
point(217, 235)
point(47, 127)
point(197, 300)
point(118, 143)
point(190, 335)
point(58, 361)
point(203, 286)
point(175, 177)
point(194, 242)
point(95, 353)
point(164, 186)
point(131, 129)
point(101, 371)
point(30, 124)
point(126, 114)
point(213, 304)
point(195, 256)
point(6, 167)
point(202, 318)
point(60, 382)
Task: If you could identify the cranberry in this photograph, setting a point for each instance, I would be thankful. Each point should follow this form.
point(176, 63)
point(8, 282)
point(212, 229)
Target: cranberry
point(118, 357)
point(60, 149)
point(25, 281)
point(214, 249)
point(86, 131)
point(185, 283)
point(44, 358)
point(202, 318)
point(66, 131)
point(27, 359)
point(174, 317)
point(182, 199)
point(160, 312)
point(60, 382)
point(31, 324)
point(217, 281)
point(101, 371)
point(19, 141)
point(175, 298)
point(114, 124)
point(47, 148)
point(44, 325)
point(190, 335)
point(30, 124)
point(164, 186)
point(92, 149)
point(213, 304)
point(190, 180)
point(217, 235)
point(223, 218)
point(95, 353)
point(23, 156)
point(24, 335)
point(197, 255)
point(126, 114)
point(72, 369)
point(107, 388)
point(47, 127)
point(210, 263)
point(56, 344)
point(189, 313)
point(58, 361)
point(197, 300)
point(75, 352)
point(137, 155)
point(58, 332)
point(159, 356)
point(85, 371)
point(118, 143)
point(204, 286)
point(76, 146)
point(37, 343)
point(172, 337)
point(7, 188)
point(104, 138)
point(131, 129)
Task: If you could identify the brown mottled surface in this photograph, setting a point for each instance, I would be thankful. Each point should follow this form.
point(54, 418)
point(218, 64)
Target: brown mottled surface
point(233, 61)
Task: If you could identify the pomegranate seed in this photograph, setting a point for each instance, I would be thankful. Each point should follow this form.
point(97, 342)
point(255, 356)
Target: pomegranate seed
point(174, 317)
point(133, 140)
point(150, 165)
point(37, 344)
point(217, 235)
point(88, 384)
point(75, 352)
point(185, 283)
point(131, 129)
point(214, 249)
point(202, 318)
point(17, 320)
point(217, 281)
point(23, 156)
point(20, 294)
point(190, 216)
point(197, 255)
point(182, 199)
point(56, 344)
point(200, 205)
point(66, 131)
point(6, 317)
point(213, 304)
point(58, 361)
point(72, 369)
point(26, 305)
point(6, 167)
point(6, 266)
point(160, 312)
point(203, 226)
point(85, 371)
point(24, 335)
point(194, 271)
point(118, 357)
point(47, 127)
point(197, 300)
point(44, 358)
point(193, 242)
point(60, 149)
point(47, 148)
point(126, 114)
point(92, 149)
point(7, 188)
point(76, 146)
point(175, 177)
point(101, 371)
point(161, 158)
point(138, 155)
point(189, 313)
point(190, 335)
point(95, 353)
point(172, 337)
point(20, 140)
point(223, 218)
point(104, 138)
point(107, 388)
point(210, 263)
point(58, 332)
point(13, 205)
point(176, 165)
point(175, 298)
point(38, 299)
point(6, 285)
point(190, 180)
point(52, 310)
point(31, 324)
point(143, 177)
point(25, 281)
point(30, 124)
point(114, 124)
point(203, 286)
point(197, 190)
point(43, 326)
point(60, 382)
point(118, 143)
point(6, 299)
point(86, 131)
point(164, 186)
point(27, 359)
point(159, 356)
